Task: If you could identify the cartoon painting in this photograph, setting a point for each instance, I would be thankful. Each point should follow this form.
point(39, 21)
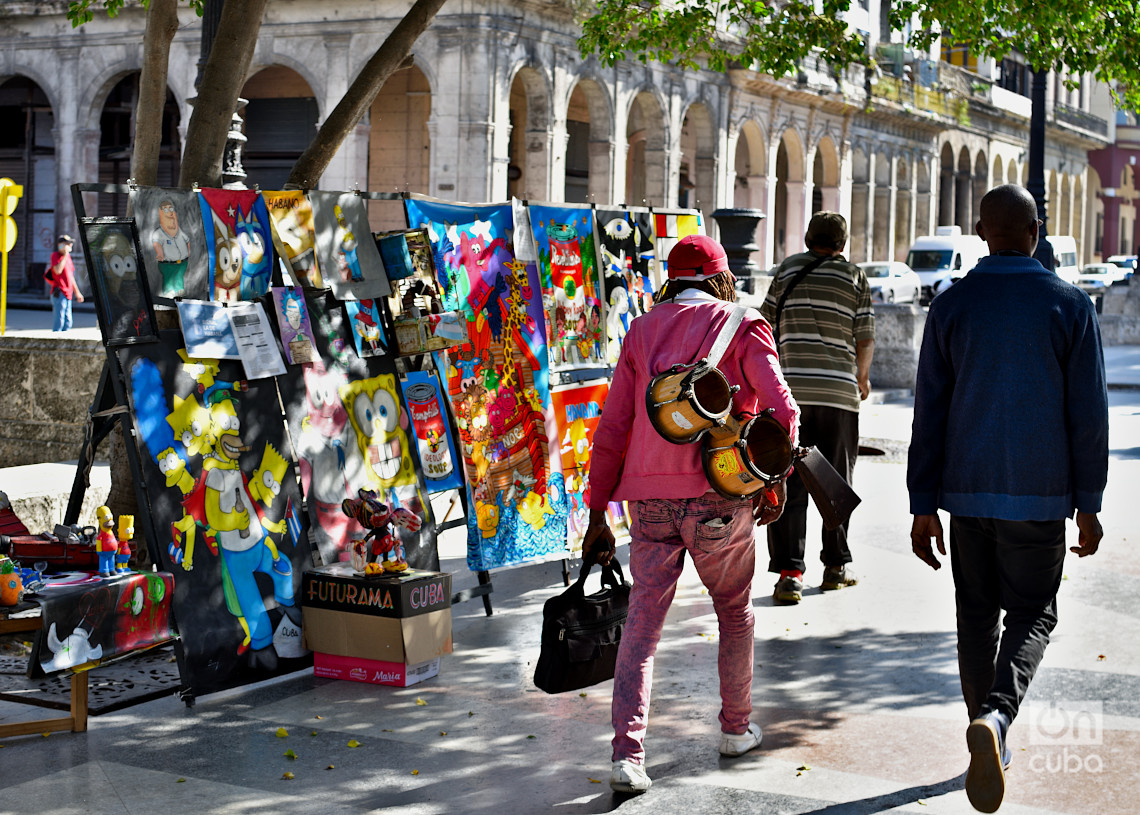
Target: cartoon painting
point(293, 323)
point(498, 384)
point(87, 619)
point(577, 410)
point(224, 498)
point(174, 252)
point(432, 431)
point(571, 286)
point(351, 431)
point(669, 226)
point(294, 235)
point(349, 259)
point(111, 248)
point(626, 252)
point(238, 243)
point(366, 326)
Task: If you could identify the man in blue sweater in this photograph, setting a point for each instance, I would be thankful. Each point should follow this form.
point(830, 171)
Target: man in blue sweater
point(1010, 437)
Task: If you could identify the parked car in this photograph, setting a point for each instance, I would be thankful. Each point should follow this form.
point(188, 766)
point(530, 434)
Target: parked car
point(1095, 278)
point(1126, 262)
point(892, 282)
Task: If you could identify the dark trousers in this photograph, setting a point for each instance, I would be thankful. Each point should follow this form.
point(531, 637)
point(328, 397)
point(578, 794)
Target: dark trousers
point(836, 433)
point(1013, 566)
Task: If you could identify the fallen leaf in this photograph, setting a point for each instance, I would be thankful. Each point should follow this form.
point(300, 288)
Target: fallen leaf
point(320, 717)
point(45, 735)
point(282, 733)
point(287, 776)
point(420, 702)
point(443, 732)
point(920, 802)
point(353, 743)
point(331, 767)
point(583, 694)
point(313, 733)
point(593, 780)
point(1101, 658)
point(386, 730)
point(180, 781)
point(289, 754)
point(415, 772)
point(471, 713)
point(803, 768)
point(532, 737)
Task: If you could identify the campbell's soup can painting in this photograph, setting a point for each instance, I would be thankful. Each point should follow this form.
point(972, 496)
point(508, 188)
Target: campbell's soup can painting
point(431, 433)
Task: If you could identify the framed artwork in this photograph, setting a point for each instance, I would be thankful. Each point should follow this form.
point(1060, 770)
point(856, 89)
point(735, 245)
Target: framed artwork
point(293, 323)
point(295, 236)
point(238, 242)
point(627, 257)
point(349, 259)
point(174, 250)
point(111, 247)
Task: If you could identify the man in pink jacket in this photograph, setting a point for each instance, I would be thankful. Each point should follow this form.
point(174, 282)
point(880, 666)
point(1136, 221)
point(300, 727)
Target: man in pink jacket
point(671, 505)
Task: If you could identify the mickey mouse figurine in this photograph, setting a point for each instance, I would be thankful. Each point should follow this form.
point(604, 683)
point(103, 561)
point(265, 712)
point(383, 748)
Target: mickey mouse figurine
point(106, 544)
point(377, 517)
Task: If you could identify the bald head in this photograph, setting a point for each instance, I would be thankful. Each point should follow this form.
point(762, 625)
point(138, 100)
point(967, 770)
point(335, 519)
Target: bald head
point(1007, 219)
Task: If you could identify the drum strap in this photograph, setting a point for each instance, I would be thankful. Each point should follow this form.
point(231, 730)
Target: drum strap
point(727, 332)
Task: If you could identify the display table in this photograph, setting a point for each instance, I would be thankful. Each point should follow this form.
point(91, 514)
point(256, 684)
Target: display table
point(82, 621)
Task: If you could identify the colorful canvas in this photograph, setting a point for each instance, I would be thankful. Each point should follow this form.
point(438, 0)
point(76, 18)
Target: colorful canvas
point(625, 246)
point(367, 328)
point(669, 226)
point(350, 262)
point(432, 431)
point(174, 250)
point(293, 324)
point(224, 499)
point(238, 244)
point(577, 411)
point(571, 286)
point(351, 430)
point(498, 385)
point(295, 236)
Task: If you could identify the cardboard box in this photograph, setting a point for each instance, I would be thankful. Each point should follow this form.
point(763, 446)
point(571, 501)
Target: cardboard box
point(406, 640)
point(373, 671)
point(337, 587)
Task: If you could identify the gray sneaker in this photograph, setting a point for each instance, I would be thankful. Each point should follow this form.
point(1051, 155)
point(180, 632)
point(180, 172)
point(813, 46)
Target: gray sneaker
point(837, 577)
point(789, 591)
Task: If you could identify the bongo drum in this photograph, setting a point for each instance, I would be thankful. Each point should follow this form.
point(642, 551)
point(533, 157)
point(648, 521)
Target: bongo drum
point(740, 459)
point(687, 401)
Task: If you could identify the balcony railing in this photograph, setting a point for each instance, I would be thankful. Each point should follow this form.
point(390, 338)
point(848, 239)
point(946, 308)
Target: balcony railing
point(1079, 119)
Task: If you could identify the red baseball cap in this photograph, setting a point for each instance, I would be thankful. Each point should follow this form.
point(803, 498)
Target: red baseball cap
point(696, 257)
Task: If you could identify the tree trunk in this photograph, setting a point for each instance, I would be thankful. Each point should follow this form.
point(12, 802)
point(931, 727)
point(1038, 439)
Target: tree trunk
point(161, 25)
point(222, 81)
point(392, 55)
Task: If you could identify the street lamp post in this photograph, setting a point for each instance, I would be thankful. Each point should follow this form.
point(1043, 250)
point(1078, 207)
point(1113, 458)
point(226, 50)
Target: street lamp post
point(1036, 181)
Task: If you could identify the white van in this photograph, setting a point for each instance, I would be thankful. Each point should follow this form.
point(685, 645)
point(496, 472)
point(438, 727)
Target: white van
point(944, 257)
point(1065, 257)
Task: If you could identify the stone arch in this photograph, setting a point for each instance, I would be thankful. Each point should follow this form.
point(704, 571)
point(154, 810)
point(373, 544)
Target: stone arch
point(311, 78)
point(825, 176)
point(529, 143)
point(788, 204)
point(28, 157)
point(399, 142)
point(116, 141)
point(696, 186)
point(998, 172)
point(1011, 175)
point(963, 189)
point(979, 184)
point(280, 122)
point(646, 140)
point(751, 162)
point(599, 137)
point(946, 186)
point(902, 213)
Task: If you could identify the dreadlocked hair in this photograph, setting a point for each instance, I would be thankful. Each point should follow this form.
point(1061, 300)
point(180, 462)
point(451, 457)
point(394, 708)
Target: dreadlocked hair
point(721, 286)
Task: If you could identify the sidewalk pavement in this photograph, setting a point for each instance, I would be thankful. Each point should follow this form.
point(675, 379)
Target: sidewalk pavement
point(856, 690)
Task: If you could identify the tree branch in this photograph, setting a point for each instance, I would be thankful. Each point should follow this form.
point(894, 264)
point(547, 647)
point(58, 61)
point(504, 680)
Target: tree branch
point(161, 26)
point(392, 55)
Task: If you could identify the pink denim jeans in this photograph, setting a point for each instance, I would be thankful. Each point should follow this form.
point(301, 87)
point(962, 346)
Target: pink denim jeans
point(718, 534)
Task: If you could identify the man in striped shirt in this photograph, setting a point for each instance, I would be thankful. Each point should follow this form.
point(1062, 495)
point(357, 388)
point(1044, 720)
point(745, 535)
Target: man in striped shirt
point(819, 306)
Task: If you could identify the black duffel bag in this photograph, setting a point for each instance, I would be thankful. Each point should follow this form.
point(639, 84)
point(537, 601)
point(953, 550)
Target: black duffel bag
point(581, 633)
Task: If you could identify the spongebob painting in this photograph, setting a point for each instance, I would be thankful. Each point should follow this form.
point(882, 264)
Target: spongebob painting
point(381, 430)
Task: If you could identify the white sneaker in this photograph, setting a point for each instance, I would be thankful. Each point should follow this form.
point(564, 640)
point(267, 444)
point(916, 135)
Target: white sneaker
point(731, 745)
point(629, 777)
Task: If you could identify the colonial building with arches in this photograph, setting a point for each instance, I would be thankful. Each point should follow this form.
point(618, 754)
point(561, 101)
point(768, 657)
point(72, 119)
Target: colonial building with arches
point(499, 102)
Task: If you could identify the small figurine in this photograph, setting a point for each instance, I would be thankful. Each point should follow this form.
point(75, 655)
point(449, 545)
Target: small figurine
point(106, 544)
point(126, 535)
point(377, 517)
